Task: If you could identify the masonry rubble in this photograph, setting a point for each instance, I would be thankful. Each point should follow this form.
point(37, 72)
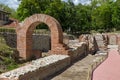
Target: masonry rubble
point(33, 66)
point(77, 48)
point(43, 67)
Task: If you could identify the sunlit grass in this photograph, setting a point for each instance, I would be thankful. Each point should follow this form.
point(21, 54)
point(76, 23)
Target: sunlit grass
point(6, 60)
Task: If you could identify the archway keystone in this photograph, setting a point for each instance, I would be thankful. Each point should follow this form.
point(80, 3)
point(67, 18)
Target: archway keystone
point(25, 31)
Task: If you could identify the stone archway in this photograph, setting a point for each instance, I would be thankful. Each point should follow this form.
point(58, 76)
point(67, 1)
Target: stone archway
point(25, 30)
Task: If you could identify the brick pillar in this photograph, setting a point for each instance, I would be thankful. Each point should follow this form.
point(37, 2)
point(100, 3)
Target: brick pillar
point(25, 30)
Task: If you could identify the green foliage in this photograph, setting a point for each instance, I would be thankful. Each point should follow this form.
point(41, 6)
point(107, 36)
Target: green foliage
point(100, 15)
point(6, 60)
point(30, 7)
point(6, 57)
point(116, 15)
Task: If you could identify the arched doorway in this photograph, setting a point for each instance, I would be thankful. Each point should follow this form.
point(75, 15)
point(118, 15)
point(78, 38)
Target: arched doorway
point(25, 31)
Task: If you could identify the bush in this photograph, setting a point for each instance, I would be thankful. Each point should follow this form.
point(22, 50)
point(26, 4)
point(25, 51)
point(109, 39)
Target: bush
point(7, 62)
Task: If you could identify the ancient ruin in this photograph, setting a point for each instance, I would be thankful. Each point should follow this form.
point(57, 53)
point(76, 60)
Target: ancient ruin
point(74, 50)
point(25, 30)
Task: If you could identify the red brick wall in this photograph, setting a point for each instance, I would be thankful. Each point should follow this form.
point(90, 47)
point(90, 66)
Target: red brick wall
point(25, 30)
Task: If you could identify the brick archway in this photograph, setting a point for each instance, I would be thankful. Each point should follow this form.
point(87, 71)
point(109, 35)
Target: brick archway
point(25, 31)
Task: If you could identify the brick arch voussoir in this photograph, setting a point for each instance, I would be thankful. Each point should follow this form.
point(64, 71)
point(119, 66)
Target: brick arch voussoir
point(52, 23)
point(25, 30)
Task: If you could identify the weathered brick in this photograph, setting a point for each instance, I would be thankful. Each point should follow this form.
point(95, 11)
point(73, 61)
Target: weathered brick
point(25, 31)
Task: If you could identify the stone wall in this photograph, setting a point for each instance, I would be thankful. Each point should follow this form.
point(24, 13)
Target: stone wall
point(10, 39)
point(41, 68)
point(78, 49)
point(92, 46)
point(44, 67)
point(40, 42)
point(112, 39)
point(38, 69)
point(43, 42)
point(100, 41)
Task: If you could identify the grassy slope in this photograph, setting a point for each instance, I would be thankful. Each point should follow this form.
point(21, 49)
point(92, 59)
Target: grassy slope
point(6, 60)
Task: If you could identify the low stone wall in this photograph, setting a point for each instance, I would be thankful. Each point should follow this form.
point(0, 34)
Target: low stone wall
point(38, 69)
point(44, 67)
point(78, 49)
point(99, 59)
point(100, 41)
point(40, 42)
point(113, 39)
point(41, 68)
point(10, 39)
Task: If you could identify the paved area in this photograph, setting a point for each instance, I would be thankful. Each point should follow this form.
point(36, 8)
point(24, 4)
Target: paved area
point(110, 68)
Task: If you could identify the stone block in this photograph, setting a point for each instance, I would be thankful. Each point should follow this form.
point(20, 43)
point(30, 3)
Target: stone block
point(38, 69)
point(37, 54)
point(112, 39)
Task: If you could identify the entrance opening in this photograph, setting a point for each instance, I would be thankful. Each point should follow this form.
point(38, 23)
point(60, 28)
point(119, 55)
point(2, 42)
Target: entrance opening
point(26, 29)
point(41, 40)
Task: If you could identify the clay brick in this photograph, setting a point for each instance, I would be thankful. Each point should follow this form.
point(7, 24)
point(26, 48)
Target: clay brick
point(25, 31)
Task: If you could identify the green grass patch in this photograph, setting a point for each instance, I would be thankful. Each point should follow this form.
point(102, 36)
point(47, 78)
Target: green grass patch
point(7, 61)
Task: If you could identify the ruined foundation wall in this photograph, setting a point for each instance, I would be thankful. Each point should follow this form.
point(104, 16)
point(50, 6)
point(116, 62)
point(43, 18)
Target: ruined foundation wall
point(38, 69)
point(40, 41)
point(41, 68)
point(100, 41)
point(78, 49)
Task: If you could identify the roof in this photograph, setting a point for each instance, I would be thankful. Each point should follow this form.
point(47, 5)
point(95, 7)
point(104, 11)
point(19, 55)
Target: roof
point(4, 11)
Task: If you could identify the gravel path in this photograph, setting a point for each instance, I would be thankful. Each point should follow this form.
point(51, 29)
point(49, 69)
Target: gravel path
point(110, 68)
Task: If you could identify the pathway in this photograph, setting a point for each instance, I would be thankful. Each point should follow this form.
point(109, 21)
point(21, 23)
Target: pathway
point(110, 68)
point(79, 70)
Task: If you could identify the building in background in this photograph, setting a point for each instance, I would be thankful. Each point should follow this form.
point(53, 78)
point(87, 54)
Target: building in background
point(4, 17)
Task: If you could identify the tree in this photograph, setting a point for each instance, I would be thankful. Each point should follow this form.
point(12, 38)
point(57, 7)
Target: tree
point(102, 16)
point(58, 9)
point(99, 15)
point(83, 18)
point(116, 15)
